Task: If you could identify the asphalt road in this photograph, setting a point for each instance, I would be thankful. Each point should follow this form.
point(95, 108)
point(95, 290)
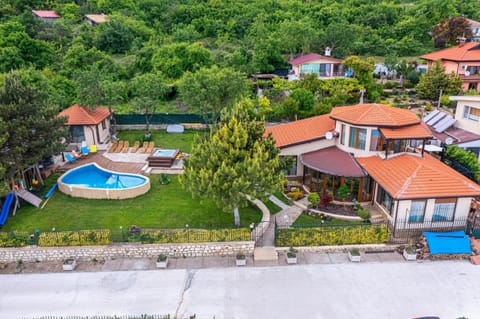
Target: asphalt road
point(448, 289)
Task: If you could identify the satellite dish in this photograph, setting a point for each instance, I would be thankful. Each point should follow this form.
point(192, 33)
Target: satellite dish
point(467, 73)
point(448, 141)
point(329, 135)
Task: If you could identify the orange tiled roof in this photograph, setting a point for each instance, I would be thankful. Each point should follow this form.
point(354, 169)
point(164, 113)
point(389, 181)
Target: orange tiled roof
point(301, 131)
point(466, 52)
point(374, 115)
point(78, 115)
point(408, 176)
point(46, 14)
point(407, 132)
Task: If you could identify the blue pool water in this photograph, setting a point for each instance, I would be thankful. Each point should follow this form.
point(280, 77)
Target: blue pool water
point(91, 176)
point(164, 153)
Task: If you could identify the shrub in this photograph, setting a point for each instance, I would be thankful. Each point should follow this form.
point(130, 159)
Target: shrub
point(313, 199)
point(161, 258)
point(240, 255)
point(74, 238)
point(162, 236)
point(332, 235)
point(292, 253)
point(363, 214)
point(14, 239)
point(164, 179)
point(428, 107)
point(326, 199)
point(355, 252)
point(295, 195)
point(390, 84)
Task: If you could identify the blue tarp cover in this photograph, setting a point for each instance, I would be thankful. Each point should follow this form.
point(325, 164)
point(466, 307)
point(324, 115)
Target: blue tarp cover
point(455, 242)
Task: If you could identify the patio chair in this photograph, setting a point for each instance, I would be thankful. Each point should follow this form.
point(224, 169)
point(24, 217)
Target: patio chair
point(84, 151)
point(113, 147)
point(135, 147)
point(150, 147)
point(126, 145)
point(143, 149)
point(70, 158)
point(119, 147)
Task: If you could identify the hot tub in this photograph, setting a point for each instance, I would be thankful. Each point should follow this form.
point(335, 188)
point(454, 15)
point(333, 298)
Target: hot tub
point(93, 182)
point(162, 158)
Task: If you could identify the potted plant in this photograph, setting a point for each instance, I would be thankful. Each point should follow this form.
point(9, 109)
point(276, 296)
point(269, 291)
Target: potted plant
point(292, 256)
point(69, 264)
point(354, 255)
point(240, 259)
point(410, 253)
point(162, 261)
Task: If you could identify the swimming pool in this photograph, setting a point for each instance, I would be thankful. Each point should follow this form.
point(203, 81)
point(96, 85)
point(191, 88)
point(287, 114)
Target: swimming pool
point(92, 181)
point(164, 153)
point(162, 158)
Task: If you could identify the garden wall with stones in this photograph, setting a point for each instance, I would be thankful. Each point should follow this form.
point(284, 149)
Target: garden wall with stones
point(35, 253)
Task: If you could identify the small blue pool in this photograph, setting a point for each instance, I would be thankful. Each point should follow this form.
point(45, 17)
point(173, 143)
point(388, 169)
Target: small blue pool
point(164, 153)
point(92, 181)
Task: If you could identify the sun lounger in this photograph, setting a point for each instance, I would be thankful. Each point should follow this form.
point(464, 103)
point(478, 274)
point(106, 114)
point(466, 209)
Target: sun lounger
point(119, 147)
point(126, 145)
point(143, 149)
point(84, 150)
point(70, 158)
point(150, 147)
point(113, 147)
point(135, 147)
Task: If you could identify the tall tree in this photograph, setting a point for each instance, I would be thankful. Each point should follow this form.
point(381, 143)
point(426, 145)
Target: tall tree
point(435, 80)
point(32, 128)
point(210, 90)
point(147, 91)
point(449, 30)
point(234, 161)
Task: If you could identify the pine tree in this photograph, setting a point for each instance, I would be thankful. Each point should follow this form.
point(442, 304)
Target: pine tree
point(434, 80)
point(233, 162)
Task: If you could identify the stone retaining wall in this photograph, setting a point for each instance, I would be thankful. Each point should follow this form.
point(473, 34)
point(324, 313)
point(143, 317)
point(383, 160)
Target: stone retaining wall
point(35, 253)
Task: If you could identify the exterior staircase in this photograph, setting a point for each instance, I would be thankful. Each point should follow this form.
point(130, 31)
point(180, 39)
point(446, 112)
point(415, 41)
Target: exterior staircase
point(29, 197)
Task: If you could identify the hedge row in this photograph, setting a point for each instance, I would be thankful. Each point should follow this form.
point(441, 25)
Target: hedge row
point(75, 238)
point(332, 235)
point(160, 236)
point(15, 239)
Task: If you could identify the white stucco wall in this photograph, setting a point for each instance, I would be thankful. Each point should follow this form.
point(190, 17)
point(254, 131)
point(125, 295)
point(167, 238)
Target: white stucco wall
point(463, 123)
point(357, 152)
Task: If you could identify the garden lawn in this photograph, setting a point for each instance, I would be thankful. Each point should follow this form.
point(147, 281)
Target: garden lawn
point(164, 206)
point(182, 141)
point(309, 221)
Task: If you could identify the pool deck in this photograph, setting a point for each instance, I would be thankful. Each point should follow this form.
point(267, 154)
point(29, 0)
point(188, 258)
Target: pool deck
point(107, 163)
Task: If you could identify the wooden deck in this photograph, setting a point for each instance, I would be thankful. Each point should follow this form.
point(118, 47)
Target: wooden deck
point(104, 162)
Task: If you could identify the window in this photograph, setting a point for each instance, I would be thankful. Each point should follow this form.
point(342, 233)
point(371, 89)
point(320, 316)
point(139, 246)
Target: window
point(104, 124)
point(310, 68)
point(417, 212)
point(342, 137)
point(376, 141)
point(291, 161)
point(444, 209)
point(384, 199)
point(78, 134)
point(358, 137)
point(471, 113)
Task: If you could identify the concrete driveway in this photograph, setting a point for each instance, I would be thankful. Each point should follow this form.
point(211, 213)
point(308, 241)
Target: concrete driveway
point(448, 289)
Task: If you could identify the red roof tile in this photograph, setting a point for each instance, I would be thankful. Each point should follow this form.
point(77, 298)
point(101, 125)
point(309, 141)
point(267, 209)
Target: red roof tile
point(416, 131)
point(466, 52)
point(374, 115)
point(78, 115)
point(312, 56)
point(46, 14)
point(333, 161)
point(409, 176)
point(300, 131)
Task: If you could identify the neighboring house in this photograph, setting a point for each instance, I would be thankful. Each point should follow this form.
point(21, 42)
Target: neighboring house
point(463, 60)
point(86, 125)
point(324, 66)
point(46, 15)
point(475, 26)
point(367, 147)
point(94, 19)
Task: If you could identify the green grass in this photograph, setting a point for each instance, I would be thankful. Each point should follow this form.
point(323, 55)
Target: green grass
point(163, 139)
point(310, 221)
point(164, 206)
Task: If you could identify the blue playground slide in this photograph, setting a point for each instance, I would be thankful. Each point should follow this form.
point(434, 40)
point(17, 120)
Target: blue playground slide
point(6, 208)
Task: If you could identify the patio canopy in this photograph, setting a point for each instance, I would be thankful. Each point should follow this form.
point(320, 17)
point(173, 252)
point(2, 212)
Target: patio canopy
point(454, 242)
point(333, 161)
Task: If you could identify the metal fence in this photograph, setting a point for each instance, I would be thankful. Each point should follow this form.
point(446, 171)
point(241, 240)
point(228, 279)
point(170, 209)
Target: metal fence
point(404, 230)
point(459, 167)
point(160, 118)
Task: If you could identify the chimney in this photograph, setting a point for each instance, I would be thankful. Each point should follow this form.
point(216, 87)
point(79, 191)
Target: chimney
point(328, 51)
